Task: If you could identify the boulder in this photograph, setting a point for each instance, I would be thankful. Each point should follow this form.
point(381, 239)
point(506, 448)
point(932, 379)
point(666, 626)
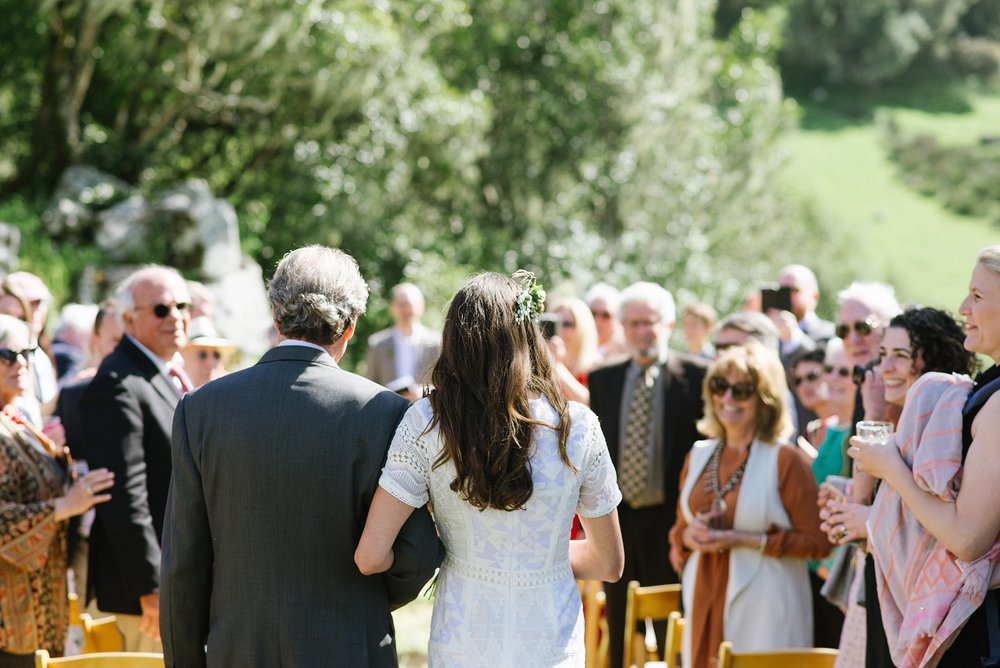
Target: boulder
point(81, 193)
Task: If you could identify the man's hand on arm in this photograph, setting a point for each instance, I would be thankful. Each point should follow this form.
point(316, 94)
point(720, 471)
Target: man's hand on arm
point(149, 623)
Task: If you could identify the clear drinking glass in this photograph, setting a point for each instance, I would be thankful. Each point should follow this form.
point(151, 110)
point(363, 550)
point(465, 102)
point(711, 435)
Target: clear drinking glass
point(874, 431)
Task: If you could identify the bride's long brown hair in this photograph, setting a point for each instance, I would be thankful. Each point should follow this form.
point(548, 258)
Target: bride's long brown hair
point(490, 366)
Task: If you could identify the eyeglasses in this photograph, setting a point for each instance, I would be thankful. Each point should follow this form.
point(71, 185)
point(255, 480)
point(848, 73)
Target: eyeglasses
point(161, 311)
point(842, 371)
point(742, 390)
point(601, 315)
point(862, 327)
point(9, 356)
point(203, 354)
point(810, 377)
point(567, 324)
point(636, 324)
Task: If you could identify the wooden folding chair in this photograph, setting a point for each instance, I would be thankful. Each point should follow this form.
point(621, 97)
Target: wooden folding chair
point(100, 660)
point(101, 635)
point(675, 634)
point(595, 623)
point(73, 606)
point(819, 657)
point(653, 603)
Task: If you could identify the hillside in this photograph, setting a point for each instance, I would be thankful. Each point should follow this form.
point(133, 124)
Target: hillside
point(839, 161)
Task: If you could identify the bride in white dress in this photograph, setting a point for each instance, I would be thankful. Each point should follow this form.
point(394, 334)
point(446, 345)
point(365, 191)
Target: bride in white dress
point(505, 462)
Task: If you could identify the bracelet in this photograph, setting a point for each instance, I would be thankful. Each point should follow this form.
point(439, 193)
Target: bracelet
point(763, 542)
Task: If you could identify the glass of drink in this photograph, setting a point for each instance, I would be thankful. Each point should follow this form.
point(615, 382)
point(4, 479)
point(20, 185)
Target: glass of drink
point(874, 431)
point(839, 483)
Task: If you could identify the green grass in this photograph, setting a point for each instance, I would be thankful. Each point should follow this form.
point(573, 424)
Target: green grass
point(413, 626)
point(840, 163)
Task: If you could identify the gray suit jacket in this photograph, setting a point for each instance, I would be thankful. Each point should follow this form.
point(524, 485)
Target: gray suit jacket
point(381, 355)
point(274, 470)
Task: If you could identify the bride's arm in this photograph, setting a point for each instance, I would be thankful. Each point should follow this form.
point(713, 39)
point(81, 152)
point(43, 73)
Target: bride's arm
point(599, 556)
point(385, 518)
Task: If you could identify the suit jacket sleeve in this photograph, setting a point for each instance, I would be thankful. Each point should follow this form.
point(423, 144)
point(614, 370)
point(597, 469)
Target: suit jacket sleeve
point(187, 557)
point(112, 425)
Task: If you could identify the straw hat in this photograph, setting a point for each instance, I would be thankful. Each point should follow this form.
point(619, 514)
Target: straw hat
point(202, 334)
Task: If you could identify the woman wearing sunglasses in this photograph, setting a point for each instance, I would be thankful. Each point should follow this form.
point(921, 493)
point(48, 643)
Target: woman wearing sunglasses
point(746, 516)
point(941, 486)
point(36, 499)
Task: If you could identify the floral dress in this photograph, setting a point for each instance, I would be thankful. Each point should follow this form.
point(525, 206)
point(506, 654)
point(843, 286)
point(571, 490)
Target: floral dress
point(33, 608)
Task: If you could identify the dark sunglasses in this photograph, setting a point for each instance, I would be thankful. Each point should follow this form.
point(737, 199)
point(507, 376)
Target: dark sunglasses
point(862, 327)
point(161, 311)
point(601, 315)
point(203, 354)
point(10, 356)
point(842, 371)
point(742, 390)
point(810, 377)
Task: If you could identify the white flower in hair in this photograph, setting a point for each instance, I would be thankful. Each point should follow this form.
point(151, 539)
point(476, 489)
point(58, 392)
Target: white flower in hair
point(530, 301)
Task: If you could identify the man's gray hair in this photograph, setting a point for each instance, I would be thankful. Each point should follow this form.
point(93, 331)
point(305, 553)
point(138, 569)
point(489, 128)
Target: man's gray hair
point(316, 293)
point(124, 293)
point(755, 325)
point(655, 296)
point(880, 298)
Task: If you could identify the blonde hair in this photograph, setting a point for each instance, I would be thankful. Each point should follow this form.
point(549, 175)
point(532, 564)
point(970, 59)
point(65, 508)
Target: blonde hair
point(582, 356)
point(989, 257)
point(763, 369)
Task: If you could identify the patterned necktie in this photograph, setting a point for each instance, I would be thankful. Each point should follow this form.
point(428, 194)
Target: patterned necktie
point(181, 380)
point(632, 477)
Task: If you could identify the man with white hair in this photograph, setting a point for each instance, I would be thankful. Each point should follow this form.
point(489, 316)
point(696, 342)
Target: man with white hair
point(126, 415)
point(648, 406)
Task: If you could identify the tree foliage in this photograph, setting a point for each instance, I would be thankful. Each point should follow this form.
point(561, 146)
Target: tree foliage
point(588, 140)
point(867, 43)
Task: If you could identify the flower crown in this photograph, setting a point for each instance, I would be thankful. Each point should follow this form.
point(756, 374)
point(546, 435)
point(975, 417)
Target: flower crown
point(530, 301)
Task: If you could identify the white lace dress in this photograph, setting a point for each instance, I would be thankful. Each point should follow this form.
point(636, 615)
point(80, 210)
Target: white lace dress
point(506, 594)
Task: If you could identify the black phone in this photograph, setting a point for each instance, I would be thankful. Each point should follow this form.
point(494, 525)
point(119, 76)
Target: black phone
point(549, 324)
point(775, 297)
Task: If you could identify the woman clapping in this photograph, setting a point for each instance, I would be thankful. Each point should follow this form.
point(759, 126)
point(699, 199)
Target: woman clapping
point(35, 500)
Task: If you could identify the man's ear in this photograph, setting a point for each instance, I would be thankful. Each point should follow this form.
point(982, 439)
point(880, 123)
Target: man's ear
point(348, 331)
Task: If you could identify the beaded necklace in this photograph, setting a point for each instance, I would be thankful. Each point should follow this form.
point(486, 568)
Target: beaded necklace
point(714, 486)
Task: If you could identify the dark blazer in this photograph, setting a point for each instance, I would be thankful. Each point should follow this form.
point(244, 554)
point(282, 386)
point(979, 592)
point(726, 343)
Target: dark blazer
point(275, 467)
point(126, 414)
point(682, 408)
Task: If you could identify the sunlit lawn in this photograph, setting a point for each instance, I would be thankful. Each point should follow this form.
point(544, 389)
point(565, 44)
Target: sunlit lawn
point(413, 623)
point(839, 160)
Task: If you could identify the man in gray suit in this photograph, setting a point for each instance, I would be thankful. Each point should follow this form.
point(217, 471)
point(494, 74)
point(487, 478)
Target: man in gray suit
point(274, 469)
point(403, 356)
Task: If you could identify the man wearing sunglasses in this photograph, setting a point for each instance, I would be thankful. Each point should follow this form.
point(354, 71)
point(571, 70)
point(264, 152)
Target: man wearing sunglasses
point(648, 406)
point(126, 416)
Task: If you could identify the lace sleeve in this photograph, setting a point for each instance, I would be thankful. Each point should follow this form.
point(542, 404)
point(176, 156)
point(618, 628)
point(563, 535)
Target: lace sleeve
point(599, 493)
point(407, 466)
